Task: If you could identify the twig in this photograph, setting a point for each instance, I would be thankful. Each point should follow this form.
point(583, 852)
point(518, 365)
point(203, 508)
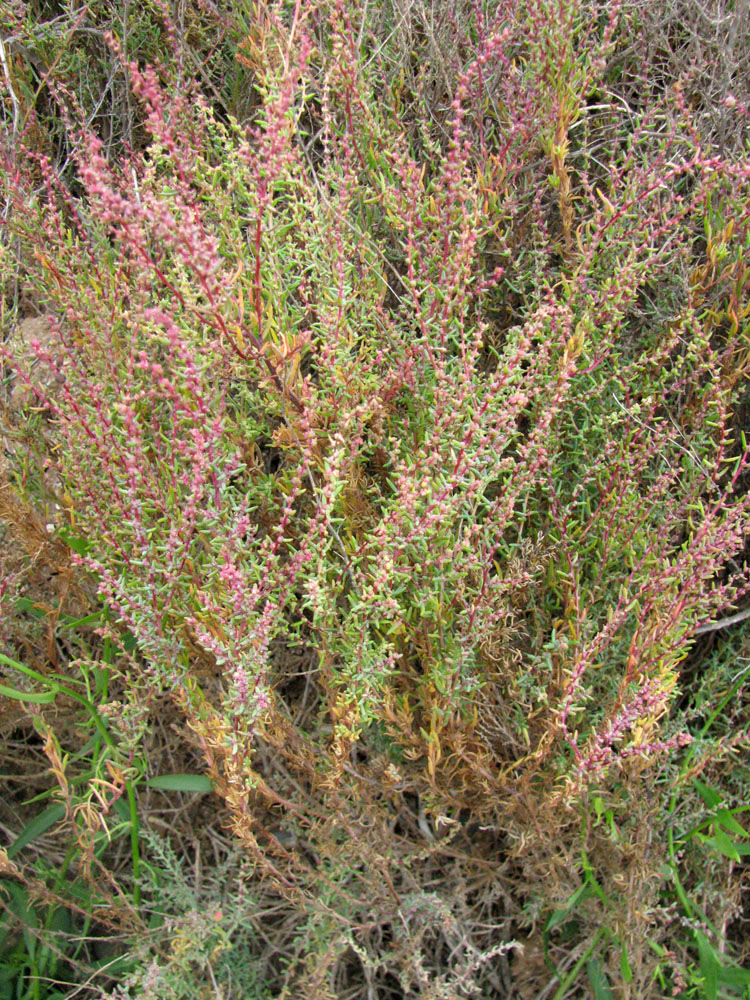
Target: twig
point(741, 616)
point(16, 110)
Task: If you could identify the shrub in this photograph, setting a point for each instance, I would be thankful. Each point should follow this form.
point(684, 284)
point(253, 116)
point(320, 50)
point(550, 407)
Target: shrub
point(399, 428)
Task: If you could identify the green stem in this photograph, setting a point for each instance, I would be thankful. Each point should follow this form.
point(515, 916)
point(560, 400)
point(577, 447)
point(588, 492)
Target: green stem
point(565, 983)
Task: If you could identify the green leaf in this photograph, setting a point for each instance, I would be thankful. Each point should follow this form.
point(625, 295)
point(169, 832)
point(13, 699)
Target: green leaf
point(709, 795)
point(724, 845)
point(556, 918)
point(26, 605)
point(39, 825)
point(22, 668)
point(625, 970)
point(33, 697)
point(727, 820)
point(92, 619)
point(734, 976)
point(559, 917)
point(598, 980)
point(181, 783)
point(17, 902)
point(709, 964)
point(79, 545)
point(116, 967)
point(123, 812)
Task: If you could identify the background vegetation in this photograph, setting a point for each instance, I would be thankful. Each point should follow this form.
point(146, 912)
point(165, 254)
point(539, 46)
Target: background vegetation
point(374, 499)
